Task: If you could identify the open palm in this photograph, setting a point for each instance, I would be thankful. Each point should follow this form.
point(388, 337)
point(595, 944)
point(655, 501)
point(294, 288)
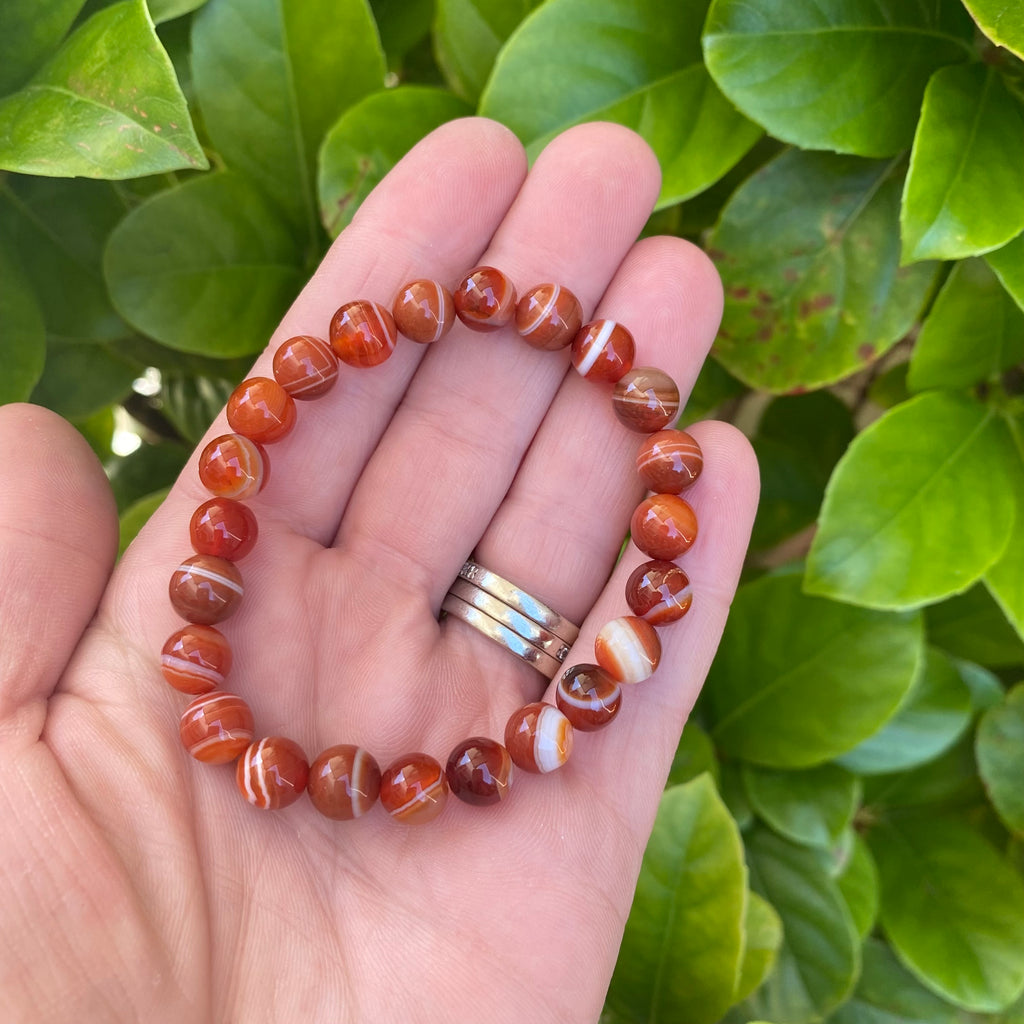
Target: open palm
point(135, 883)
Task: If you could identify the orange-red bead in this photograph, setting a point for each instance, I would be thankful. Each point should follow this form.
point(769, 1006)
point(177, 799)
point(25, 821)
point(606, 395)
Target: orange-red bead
point(272, 773)
point(669, 461)
point(414, 789)
point(344, 782)
point(363, 333)
point(223, 527)
point(646, 399)
point(196, 659)
point(485, 299)
point(232, 466)
point(663, 526)
point(216, 727)
point(261, 410)
point(538, 737)
point(205, 589)
point(479, 771)
point(424, 311)
point(588, 696)
point(628, 649)
point(548, 317)
point(305, 367)
point(659, 592)
point(603, 350)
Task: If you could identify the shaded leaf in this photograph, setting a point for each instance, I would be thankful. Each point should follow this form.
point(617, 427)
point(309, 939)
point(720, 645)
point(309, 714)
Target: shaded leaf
point(730, 785)
point(150, 468)
point(401, 24)
point(1008, 263)
point(713, 386)
point(135, 517)
point(999, 747)
point(165, 10)
point(949, 781)
point(1005, 578)
point(984, 687)
point(972, 626)
point(858, 884)
point(24, 338)
point(29, 31)
point(695, 755)
point(762, 929)
point(889, 388)
point(192, 403)
point(1001, 20)
point(79, 380)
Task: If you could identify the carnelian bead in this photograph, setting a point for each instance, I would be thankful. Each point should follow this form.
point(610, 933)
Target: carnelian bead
point(479, 771)
point(628, 649)
point(305, 367)
point(603, 350)
point(196, 659)
point(344, 782)
point(223, 527)
point(548, 317)
point(232, 466)
point(272, 773)
point(414, 789)
point(588, 697)
point(424, 311)
point(659, 592)
point(205, 589)
point(216, 727)
point(538, 737)
point(646, 399)
point(663, 526)
point(669, 461)
point(485, 299)
point(363, 333)
point(261, 410)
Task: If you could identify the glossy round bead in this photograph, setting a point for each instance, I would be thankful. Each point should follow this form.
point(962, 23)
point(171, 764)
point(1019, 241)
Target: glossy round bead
point(538, 738)
point(479, 771)
point(669, 461)
point(414, 789)
point(663, 526)
point(485, 299)
point(424, 311)
point(603, 350)
point(305, 367)
point(659, 592)
point(628, 649)
point(548, 317)
point(272, 773)
point(216, 727)
point(588, 697)
point(196, 659)
point(646, 399)
point(223, 527)
point(232, 466)
point(261, 410)
point(344, 782)
point(205, 589)
point(363, 333)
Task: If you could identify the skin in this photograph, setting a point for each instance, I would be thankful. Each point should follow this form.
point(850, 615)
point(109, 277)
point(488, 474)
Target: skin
point(136, 883)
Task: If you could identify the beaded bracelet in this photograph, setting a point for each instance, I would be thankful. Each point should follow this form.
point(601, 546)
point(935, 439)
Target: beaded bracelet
point(345, 781)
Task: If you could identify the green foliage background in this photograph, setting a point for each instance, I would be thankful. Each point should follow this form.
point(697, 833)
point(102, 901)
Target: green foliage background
point(841, 836)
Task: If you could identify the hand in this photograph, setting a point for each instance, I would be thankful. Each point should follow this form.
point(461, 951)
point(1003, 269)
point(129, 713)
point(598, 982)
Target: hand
point(136, 883)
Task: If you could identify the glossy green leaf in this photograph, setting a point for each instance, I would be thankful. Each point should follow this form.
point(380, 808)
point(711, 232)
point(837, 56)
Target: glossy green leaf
point(858, 884)
point(370, 138)
point(24, 337)
point(949, 782)
point(984, 687)
point(681, 951)
point(636, 62)
point(972, 626)
point(799, 680)
point(999, 747)
point(809, 807)
point(207, 267)
point(79, 380)
point(1001, 20)
point(931, 719)
point(135, 517)
point(888, 994)
point(827, 296)
point(29, 31)
point(846, 75)
point(272, 76)
point(952, 908)
point(1005, 578)
point(165, 10)
point(468, 35)
point(695, 755)
point(927, 477)
point(974, 331)
point(762, 929)
point(1008, 263)
point(105, 105)
point(819, 960)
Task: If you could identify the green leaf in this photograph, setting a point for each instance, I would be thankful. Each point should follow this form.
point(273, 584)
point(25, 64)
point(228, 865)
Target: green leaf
point(106, 105)
point(207, 267)
point(964, 194)
point(150, 468)
point(952, 908)
point(370, 138)
point(799, 680)
point(809, 807)
point(714, 386)
point(972, 626)
point(973, 332)
point(79, 380)
point(888, 994)
point(1008, 263)
point(925, 478)
point(858, 884)
point(1005, 578)
point(730, 785)
point(192, 403)
point(135, 517)
point(468, 35)
point(401, 24)
point(819, 426)
point(695, 755)
point(24, 338)
point(846, 75)
point(29, 31)
point(271, 76)
point(931, 719)
point(889, 388)
point(682, 947)
point(165, 10)
point(636, 62)
point(827, 296)
point(762, 928)
point(819, 959)
point(984, 687)
point(948, 782)
point(999, 747)
point(1001, 20)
